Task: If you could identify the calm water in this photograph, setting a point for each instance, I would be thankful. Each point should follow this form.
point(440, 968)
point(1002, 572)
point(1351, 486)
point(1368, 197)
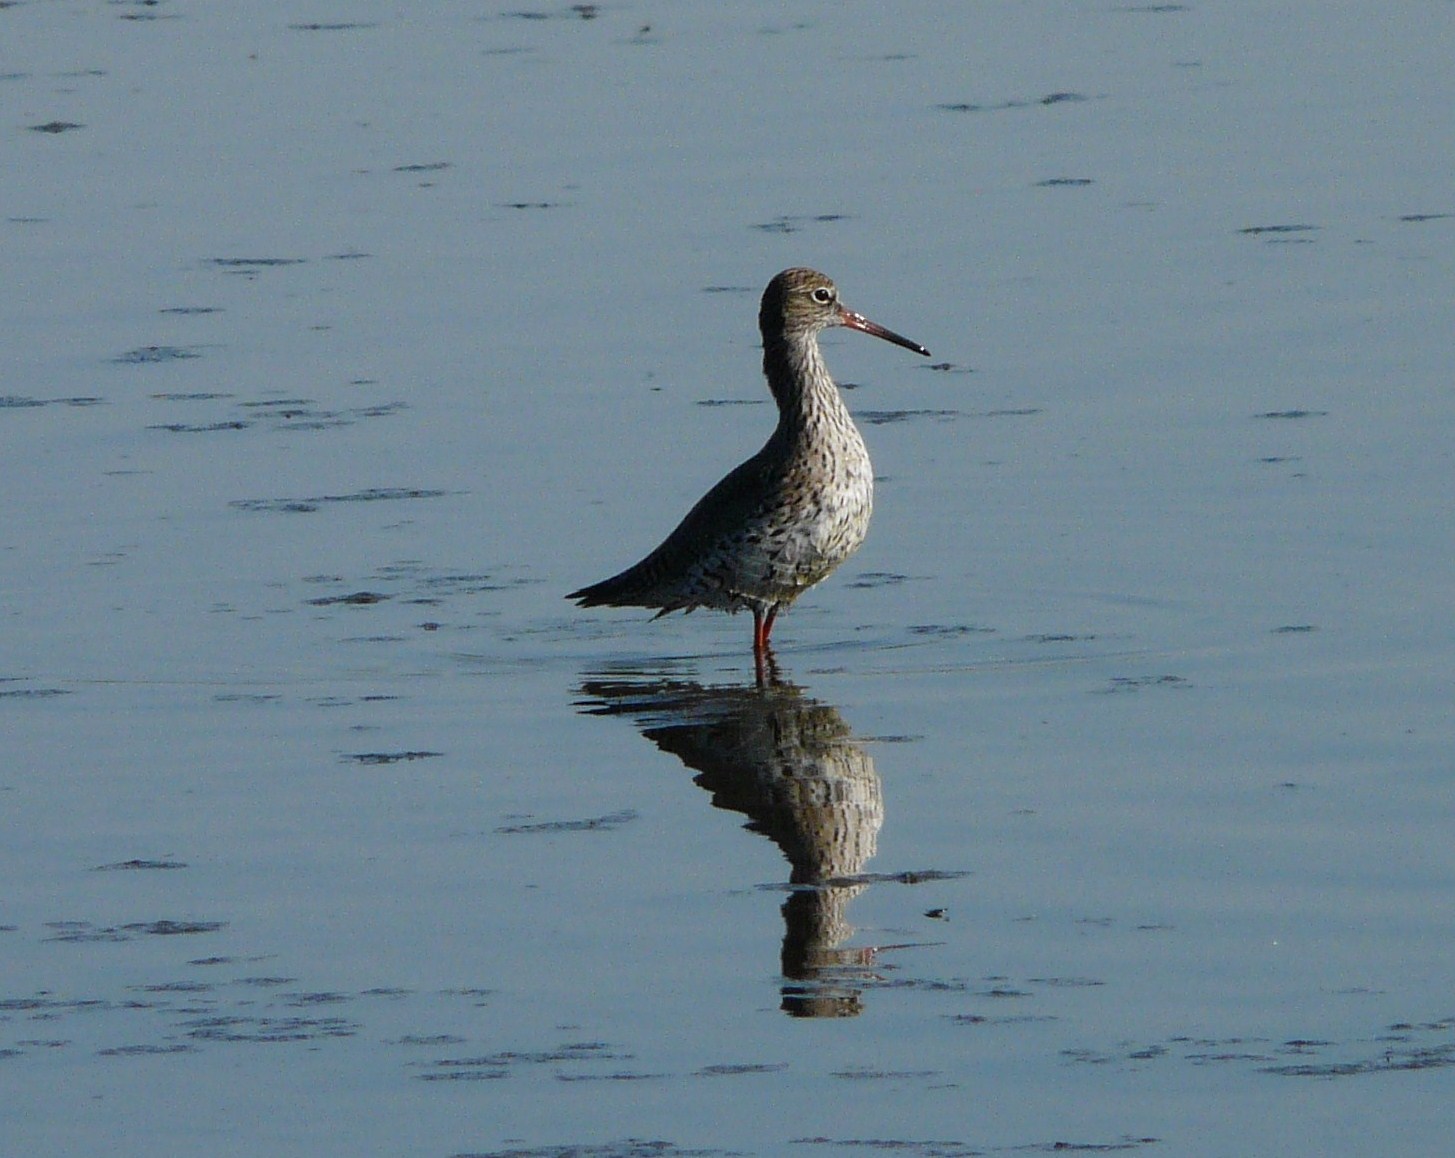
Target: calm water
point(1104, 799)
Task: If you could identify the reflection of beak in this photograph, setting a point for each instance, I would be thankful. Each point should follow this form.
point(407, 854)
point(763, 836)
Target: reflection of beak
point(865, 326)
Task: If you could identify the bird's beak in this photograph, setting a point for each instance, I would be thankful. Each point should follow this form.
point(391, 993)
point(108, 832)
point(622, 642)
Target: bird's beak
point(865, 326)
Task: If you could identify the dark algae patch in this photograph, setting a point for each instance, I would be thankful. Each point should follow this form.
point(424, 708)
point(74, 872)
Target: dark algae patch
point(606, 823)
point(308, 505)
point(1055, 98)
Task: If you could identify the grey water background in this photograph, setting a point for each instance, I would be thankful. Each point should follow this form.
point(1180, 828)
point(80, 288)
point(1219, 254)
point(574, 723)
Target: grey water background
point(1105, 804)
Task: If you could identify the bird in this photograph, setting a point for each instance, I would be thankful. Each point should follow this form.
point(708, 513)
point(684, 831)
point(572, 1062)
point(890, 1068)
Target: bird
point(786, 518)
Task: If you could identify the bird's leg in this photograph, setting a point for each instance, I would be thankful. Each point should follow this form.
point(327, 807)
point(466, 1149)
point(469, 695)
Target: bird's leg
point(763, 665)
point(768, 623)
point(761, 626)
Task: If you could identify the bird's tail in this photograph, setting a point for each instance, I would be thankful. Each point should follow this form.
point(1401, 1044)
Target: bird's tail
point(631, 588)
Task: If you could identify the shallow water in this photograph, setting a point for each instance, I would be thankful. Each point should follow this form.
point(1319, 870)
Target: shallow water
point(1102, 801)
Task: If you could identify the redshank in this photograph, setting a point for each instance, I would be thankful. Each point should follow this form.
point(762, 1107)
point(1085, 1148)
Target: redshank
point(783, 520)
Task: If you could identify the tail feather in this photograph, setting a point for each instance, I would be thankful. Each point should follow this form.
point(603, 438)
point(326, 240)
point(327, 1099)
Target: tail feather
point(601, 594)
point(631, 588)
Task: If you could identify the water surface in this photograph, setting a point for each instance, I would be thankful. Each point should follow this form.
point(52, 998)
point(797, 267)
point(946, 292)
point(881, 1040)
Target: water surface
point(1101, 803)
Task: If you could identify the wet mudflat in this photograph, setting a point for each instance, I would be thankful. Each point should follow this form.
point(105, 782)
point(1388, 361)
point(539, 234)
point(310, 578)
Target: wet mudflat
point(1101, 803)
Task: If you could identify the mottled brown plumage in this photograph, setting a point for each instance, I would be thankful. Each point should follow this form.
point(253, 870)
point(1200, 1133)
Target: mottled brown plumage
point(783, 520)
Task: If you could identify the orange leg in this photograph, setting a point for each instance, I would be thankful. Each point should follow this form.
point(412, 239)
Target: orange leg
point(764, 667)
point(762, 628)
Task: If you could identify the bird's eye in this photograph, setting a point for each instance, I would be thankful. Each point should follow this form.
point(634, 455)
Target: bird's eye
point(823, 295)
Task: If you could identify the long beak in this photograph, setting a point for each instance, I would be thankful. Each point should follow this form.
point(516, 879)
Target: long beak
point(865, 326)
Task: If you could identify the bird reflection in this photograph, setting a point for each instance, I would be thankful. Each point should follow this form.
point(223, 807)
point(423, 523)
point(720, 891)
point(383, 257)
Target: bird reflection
point(790, 765)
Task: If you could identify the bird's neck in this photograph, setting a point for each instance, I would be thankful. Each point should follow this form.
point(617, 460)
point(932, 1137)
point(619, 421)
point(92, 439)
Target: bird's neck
point(805, 392)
